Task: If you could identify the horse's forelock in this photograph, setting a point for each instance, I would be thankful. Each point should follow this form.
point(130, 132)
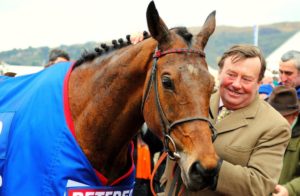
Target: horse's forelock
point(184, 33)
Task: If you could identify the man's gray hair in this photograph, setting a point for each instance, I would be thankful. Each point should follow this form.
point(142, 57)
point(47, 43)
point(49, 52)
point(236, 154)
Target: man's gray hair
point(292, 55)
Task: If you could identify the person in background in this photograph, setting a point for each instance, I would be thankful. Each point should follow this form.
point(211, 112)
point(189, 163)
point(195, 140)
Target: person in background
point(267, 80)
point(10, 74)
point(284, 100)
point(264, 91)
point(146, 145)
point(6, 76)
point(252, 138)
point(57, 55)
point(289, 73)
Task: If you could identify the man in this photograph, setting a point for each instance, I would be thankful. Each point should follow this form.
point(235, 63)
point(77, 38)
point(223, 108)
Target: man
point(289, 73)
point(10, 74)
point(284, 100)
point(289, 69)
point(57, 55)
point(251, 139)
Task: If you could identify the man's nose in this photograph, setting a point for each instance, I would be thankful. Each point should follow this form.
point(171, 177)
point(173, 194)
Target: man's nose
point(283, 77)
point(237, 83)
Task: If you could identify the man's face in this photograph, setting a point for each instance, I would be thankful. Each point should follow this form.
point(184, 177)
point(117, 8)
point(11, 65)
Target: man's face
point(239, 82)
point(288, 74)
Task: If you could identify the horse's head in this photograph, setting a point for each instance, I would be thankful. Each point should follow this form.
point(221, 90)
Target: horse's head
point(176, 98)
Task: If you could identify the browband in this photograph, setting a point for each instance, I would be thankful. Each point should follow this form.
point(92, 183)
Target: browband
point(159, 53)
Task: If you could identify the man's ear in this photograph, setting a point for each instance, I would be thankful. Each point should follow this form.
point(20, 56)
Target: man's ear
point(219, 74)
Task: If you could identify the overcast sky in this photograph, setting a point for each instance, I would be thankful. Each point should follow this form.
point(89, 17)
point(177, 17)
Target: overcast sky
point(51, 23)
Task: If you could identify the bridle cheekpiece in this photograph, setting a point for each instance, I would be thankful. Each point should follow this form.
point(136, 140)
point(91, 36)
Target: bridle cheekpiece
point(167, 126)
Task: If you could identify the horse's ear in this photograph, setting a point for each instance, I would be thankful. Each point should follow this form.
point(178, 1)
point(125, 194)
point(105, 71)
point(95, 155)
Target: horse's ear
point(156, 25)
point(207, 29)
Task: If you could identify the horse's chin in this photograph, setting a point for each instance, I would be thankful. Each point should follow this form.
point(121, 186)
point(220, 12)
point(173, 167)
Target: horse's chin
point(194, 184)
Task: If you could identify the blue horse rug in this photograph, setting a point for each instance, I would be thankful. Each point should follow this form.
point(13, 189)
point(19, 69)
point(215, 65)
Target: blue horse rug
point(38, 151)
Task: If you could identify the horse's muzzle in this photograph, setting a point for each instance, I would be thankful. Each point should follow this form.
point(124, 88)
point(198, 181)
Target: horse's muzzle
point(201, 177)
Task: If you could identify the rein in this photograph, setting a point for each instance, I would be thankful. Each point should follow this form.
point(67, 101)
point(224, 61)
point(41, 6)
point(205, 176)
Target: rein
point(167, 126)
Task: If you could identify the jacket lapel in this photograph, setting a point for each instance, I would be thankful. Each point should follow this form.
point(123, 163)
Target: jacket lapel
point(236, 119)
point(214, 106)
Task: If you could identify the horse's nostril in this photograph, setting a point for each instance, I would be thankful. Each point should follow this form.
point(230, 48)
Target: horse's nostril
point(197, 169)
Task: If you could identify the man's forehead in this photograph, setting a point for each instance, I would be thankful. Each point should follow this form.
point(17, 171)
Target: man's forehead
point(285, 70)
point(287, 66)
point(249, 67)
point(254, 61)
point(291, 63)
point(238, 58)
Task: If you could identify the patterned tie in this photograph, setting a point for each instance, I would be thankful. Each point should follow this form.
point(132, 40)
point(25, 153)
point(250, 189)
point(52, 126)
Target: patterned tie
point(224, 112)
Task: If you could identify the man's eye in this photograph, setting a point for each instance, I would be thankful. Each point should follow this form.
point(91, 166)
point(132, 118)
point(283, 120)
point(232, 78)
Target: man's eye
point(230, 74)
point(247, 79)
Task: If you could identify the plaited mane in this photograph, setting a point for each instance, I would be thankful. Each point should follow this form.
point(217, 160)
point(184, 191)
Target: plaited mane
point(120, 43)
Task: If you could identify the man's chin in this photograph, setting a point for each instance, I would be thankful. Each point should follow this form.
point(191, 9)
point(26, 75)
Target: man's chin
point(233, 103)
point(233, 99)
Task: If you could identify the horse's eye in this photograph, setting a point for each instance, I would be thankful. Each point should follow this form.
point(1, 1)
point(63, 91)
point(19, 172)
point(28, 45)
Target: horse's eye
point(167, 83)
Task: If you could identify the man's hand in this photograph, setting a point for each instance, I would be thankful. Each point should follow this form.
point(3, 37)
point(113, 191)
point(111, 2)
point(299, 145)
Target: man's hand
point(280, 191)
point(136, 37)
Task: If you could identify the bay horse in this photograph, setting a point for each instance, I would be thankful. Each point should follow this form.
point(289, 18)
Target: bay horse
point(103, 100)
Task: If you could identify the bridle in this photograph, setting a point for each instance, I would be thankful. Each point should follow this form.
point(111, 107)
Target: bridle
point(167, 126)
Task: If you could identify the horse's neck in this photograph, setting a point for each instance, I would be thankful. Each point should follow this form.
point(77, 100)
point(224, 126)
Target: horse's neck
point(105, 97)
